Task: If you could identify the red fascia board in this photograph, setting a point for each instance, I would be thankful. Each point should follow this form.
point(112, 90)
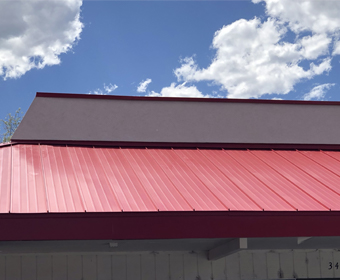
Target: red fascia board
point(127, 144)
point(184, 99)
point(161, 225)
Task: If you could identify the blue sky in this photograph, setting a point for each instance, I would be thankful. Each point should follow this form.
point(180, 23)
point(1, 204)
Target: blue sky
point(237, 49)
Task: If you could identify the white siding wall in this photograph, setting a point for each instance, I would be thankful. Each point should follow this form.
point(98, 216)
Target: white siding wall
point(171, 266)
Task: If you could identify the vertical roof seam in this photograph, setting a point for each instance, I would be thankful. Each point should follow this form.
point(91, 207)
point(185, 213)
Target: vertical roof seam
point(95, 174)
point(107, 179)
point(26, 177)
point(199, 179)
point(11, 180)
point(251, 173)
point(224, 175)
point(312, 197)
point(53, 180)
point(308, 174)
point(189, 177)
point(134, 172)
point(77, 156)
point(330, 156)
point(80, 157)
point(36, 202)
point(153, 177)
point(59, 173)
point(121, 176)
point(175, 188)
point(171, 181)
point(320, 163)
point(44, 180)
point(5, 178)
point(76, 180)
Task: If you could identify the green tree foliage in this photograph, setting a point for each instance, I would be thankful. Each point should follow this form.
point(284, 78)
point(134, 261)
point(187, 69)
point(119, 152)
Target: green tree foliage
point(10, 124)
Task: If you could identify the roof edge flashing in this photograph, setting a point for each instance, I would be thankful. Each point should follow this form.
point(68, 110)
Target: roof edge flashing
point(182, 145)
point(182, 99)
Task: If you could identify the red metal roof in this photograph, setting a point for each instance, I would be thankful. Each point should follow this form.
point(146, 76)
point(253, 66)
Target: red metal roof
point(44, 178)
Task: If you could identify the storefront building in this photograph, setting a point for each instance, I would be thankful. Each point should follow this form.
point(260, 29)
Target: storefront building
point(112, 187)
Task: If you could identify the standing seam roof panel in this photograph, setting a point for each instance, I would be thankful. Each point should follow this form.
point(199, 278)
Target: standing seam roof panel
point(132, 188)
point(73, 196)
point(187, 183)
point(319, 173)
point(304, 181)
point(248, 183)
point(62, 189)
point(96, 190)
point(323, 159)
point(91, 194)
point(335, 156)
point(217, 182)
point(277, 182)
point(28, 191)
point(161, 190)
point(36, 179)
point(5, 178)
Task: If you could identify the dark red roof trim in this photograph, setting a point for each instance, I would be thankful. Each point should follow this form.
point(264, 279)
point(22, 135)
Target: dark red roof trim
point(87, 226)
point(243, 146)
point(190, 99)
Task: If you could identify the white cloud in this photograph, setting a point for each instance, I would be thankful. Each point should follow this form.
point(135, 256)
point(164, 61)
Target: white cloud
point(106, 89)
point(98, 91)
point(254, 58)
point(318, 92)
point(314, 46)
point(110, 88)
point(143, 85)
point(34, 33)
point(180, 90)
point(336, 48)
point(318, 16)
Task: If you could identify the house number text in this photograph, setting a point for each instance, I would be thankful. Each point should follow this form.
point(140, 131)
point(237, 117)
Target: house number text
point(331, 265)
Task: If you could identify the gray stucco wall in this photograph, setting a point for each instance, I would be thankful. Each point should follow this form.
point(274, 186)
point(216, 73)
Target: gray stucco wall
point(82, 119)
